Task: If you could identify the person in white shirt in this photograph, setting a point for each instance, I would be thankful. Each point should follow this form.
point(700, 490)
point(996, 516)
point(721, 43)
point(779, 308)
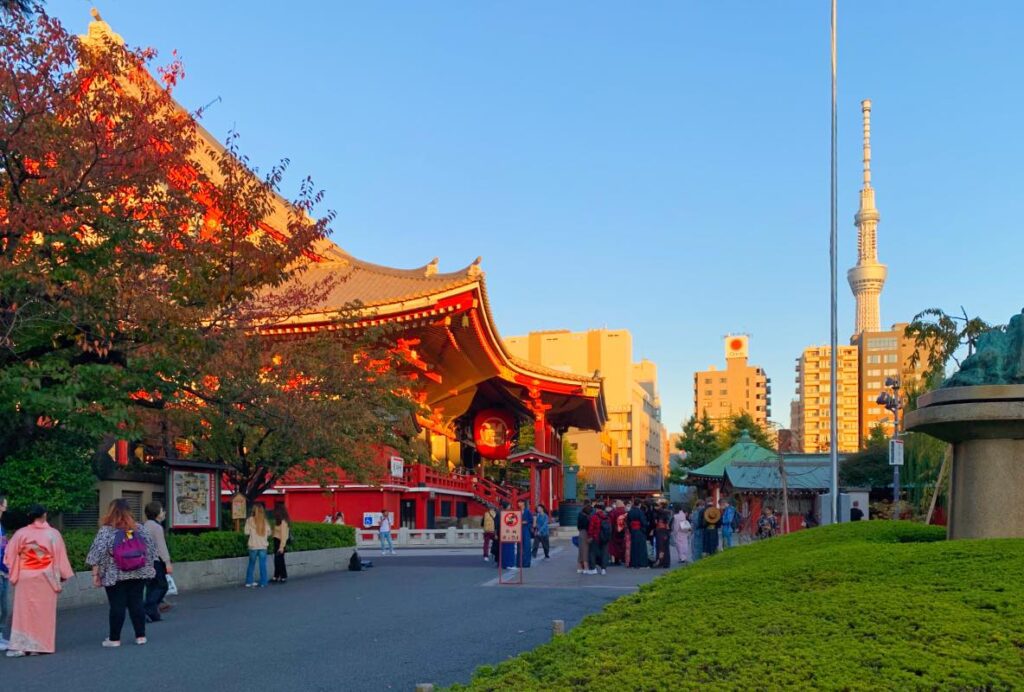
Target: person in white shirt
point(156, 588)
point(386, 546)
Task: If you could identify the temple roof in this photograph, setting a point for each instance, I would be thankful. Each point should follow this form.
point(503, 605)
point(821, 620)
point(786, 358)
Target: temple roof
point(621, 480)
point(814, 474)
point(745, 449)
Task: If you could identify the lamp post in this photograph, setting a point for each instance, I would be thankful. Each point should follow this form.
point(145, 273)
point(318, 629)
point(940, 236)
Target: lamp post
point(893, 402)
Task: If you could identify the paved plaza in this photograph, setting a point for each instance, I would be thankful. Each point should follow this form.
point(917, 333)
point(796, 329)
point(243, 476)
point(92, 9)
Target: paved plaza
point(425, 615)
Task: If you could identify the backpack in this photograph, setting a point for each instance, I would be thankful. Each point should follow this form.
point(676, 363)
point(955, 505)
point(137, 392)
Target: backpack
point(732, 518)
point(606, 531)
point(354, 563)
point(129, 550)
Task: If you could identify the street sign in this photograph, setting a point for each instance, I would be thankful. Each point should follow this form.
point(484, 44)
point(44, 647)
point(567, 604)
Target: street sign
point(238, 506)
point(371, 519)
point(397, 466)
point(511, 527)
point(895, 452)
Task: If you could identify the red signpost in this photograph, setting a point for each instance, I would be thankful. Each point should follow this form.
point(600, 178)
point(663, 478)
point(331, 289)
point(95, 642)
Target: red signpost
point(510, 531)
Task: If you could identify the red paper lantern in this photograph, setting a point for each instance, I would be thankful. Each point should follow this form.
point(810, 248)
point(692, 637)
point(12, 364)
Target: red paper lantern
point(493, 430)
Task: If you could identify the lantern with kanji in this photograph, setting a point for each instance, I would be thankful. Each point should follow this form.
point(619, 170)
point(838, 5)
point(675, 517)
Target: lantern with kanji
point(493, 430)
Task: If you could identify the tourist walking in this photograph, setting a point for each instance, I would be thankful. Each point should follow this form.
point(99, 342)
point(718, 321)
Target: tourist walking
point(488, 526)
point(730, 522)
point(697, 522)
point(599, 530)
point(682, 533)
point(258, 531)
point(384, 533)
point(582, 527)
point(662, 533)
point(5, 596)
point(527, 534)
point(37, 564)
point(767, 525)
point(156, 588)
point(712, 521)
point(122, 557)
point(281, 534)
point(617, 545)
point(543, 532)
point(637, 524)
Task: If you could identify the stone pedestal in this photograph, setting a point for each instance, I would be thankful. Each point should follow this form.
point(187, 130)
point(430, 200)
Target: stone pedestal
point(985, 425)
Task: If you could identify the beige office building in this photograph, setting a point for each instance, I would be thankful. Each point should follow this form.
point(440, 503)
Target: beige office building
point(634, 434)
point(884, 354)
point(739, 387)
point(811, 422)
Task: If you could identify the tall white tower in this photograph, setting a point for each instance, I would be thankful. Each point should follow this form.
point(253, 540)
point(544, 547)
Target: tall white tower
point(868, 277)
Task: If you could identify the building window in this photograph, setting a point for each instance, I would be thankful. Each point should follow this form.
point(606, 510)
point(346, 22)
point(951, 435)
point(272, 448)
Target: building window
point(886, 344)
point(872, 360)
point(707, 380)
point(722, 380)
point(891, 358)
point(723, 392)
point(874, 373)
point(707, 392)
point(134, 499)
point(446, 508)
point(891, 371)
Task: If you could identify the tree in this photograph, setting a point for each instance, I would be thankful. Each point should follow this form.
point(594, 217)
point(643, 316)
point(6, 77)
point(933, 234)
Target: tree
point(126, 244)
point(939, 336)
point(877, 437)
point(316, 410)
point(729, 434)
point(700, 443)
point(56, 473)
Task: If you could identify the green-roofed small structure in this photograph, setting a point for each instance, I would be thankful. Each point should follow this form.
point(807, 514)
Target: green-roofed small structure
point(745, 450)
point(752, 472)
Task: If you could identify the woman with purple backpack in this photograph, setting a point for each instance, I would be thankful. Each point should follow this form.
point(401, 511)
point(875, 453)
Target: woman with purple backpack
point(121, 557)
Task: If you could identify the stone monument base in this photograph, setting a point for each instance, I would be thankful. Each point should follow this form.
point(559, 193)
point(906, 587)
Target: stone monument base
point(985, 425)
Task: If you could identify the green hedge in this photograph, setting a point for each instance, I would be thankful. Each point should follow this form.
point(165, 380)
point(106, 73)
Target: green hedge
point(867, 605)
point(211, 545)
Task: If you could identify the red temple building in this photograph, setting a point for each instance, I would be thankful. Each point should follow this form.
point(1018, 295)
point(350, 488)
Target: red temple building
point(446, 330)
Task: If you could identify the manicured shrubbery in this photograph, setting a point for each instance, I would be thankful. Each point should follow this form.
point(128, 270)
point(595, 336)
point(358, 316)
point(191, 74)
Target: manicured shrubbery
point(870, 605)
point(211, 545)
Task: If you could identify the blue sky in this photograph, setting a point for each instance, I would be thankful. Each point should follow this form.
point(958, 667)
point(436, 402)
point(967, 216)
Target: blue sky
point(657, 166)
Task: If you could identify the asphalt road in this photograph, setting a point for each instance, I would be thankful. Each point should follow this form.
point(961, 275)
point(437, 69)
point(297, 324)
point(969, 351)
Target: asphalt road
point(416, 617)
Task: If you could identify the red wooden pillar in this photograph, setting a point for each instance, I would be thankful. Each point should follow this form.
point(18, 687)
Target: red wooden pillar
point(540, 434)
point(421, 510)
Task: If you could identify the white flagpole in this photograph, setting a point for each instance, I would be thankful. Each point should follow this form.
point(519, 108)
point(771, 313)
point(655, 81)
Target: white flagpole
point(833, 242)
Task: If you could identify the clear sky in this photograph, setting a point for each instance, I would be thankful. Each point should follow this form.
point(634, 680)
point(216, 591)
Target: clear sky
point(658, 166)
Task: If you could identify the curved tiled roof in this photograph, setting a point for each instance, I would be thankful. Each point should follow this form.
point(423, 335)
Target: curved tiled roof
point(373, 284)
point(623, 479)
point(745, 449)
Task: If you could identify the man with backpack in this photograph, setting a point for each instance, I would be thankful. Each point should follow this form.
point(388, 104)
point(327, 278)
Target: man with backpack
point(730, 522)
point(600, 532)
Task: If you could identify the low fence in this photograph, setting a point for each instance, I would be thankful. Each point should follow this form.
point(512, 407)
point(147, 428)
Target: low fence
point(404, 537)
point(435, 538)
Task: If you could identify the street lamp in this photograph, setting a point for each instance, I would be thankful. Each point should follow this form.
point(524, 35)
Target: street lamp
point(892, 401)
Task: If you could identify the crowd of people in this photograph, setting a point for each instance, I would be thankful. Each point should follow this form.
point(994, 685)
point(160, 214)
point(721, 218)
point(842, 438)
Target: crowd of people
point(634, 534)
point(128, 559)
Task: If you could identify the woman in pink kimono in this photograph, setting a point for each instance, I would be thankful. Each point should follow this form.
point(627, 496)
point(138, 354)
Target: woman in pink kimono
point(38, 564)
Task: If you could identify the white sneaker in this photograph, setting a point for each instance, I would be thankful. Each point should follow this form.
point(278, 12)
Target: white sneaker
point(579, 571)
point(140, 640)
point(4, 644)
point(111, 644)
point(487, 559)
point(603, 571)
point(590, 571)
point(249, 586)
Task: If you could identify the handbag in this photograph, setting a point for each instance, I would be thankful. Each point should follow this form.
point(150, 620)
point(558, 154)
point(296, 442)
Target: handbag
point(172, 588)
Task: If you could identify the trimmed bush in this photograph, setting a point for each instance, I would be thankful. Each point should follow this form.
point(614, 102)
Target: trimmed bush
point(868, 605)
point(212, 545)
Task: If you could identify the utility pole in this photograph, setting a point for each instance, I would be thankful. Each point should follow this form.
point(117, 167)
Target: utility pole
point(785, 493)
